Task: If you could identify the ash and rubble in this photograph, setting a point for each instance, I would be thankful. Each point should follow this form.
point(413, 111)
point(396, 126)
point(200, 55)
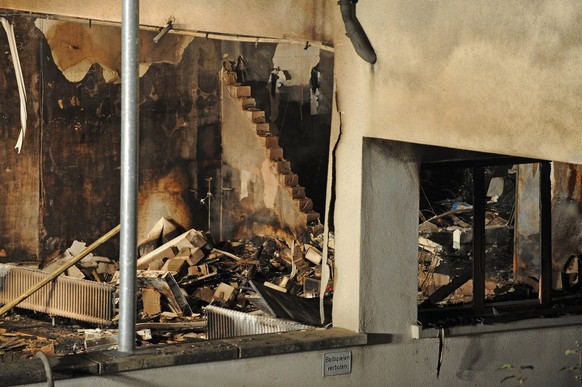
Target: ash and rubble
point(445, 254)
point(180, 273)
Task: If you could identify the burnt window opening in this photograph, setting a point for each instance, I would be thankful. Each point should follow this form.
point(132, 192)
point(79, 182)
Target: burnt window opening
point(485, 241)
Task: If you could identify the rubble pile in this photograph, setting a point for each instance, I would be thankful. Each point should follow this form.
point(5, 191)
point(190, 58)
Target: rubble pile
point(16, 345)
point(445, 240)
point(188, 272)
point(23, 335)
point(180, 272)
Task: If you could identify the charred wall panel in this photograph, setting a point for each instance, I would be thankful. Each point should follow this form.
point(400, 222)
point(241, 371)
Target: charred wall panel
point(19, 190)
point(180, 115)
point(65, 183)
point(566, 212)
point(80, 159)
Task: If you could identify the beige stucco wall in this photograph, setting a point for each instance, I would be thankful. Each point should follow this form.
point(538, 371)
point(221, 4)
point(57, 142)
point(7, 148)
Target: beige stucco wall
point(496, 76)
point(499, 77)
point(292, 19)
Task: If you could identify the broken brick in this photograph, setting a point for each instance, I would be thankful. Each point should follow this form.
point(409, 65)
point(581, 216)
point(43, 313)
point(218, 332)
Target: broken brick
point(204, 294)
point(284, 167)
point(304, 204)
point(271, 142)
point(298, 192)
point(275, 154)
point(190, 238)
point(313, 255)
point(262, 128)
point(289, 180)
point(175, 265)
point(224, 292)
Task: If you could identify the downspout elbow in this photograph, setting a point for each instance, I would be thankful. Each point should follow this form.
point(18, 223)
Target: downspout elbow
point(355, 31)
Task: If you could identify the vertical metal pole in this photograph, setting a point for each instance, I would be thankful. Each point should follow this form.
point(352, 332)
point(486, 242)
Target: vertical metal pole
point(478, 240)
point(546, 232)
point(129, 174)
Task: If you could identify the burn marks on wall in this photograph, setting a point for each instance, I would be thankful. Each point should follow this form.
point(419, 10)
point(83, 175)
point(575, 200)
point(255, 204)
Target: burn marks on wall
point(76, 46)
point(65, 184)
point(80, 156)
point(19, 172)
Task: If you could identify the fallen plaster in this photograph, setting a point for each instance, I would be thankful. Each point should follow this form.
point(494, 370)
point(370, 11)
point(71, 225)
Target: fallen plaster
point(77, 46)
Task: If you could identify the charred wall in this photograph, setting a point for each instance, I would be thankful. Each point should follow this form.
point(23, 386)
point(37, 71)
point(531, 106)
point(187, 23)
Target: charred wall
point(566, 224)
point(65, 183)
point(80, 145)
point(566, 210)
point(19, 173)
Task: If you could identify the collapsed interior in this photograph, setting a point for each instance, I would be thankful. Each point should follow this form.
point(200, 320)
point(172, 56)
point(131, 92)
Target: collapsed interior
point(490, 226)
point(233, 166)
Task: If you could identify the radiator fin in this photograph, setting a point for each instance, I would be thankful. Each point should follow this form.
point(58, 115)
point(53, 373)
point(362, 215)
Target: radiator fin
point(70, 297)
point(225, 323)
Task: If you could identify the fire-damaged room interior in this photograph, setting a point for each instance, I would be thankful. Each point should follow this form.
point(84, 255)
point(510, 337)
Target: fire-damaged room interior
point(233, 145)
point(291, 192)
point(485, 237)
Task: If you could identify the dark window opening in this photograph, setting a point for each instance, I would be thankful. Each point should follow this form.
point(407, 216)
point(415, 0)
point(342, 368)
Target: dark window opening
point(485, 241)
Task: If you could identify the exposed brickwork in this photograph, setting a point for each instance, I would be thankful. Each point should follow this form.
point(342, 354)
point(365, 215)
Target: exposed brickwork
point(287, 180)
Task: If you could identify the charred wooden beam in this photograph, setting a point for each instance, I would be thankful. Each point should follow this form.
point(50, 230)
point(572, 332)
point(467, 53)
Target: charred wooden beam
point(444, 291)
point(478, 240)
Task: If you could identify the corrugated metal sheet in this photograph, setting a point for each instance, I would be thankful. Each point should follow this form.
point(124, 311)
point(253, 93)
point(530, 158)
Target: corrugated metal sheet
point(224, 323)
point(66, 296)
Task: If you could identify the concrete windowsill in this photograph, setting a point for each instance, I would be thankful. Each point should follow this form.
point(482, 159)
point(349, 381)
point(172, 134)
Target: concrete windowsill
point(111, 362)
point(469, 330)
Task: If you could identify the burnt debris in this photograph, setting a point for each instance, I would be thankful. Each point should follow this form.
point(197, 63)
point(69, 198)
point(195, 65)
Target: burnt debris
point(180, 273)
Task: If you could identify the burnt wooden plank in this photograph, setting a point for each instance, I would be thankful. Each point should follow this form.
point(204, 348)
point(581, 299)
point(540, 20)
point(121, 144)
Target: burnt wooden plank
point(478, 240)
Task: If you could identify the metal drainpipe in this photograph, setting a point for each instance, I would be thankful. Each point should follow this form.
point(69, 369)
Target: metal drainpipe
point(355, 31)
point(129, 174)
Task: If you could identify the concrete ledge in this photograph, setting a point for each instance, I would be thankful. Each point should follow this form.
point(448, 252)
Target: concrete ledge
point(480, 329)
point(298, 341)
point(111, 362)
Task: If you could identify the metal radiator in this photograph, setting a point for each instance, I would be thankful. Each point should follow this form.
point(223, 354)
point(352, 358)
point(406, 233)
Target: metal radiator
point(224, 323)
point(66, 296)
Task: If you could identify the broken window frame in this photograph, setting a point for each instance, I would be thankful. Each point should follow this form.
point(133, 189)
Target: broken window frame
point(479, 308)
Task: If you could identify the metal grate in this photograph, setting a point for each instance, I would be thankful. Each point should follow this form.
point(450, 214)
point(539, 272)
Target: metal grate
point(224, 323)
point(66, 296)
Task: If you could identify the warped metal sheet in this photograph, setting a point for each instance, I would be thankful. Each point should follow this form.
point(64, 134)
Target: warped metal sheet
point(225, 323)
